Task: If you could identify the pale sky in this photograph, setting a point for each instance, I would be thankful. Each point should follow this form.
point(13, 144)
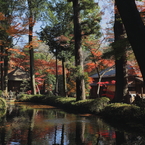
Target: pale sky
point(107, 7)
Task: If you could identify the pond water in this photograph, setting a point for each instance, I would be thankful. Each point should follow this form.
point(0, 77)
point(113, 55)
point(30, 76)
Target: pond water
point(29, 124)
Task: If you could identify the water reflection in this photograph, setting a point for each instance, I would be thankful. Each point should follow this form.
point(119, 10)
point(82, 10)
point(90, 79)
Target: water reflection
point(26, 124)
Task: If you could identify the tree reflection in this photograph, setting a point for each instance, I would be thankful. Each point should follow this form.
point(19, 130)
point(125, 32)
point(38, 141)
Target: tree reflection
point(3, 131)
point(120, 138)
point(62, 134)
point(31, 125)
point(80, 131)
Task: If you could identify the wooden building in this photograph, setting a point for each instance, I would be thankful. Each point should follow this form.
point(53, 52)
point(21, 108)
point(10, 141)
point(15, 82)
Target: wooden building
point(15, 79)
point(135, 83)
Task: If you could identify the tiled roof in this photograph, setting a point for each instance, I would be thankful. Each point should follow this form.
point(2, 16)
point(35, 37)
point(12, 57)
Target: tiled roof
point(18, 75)
point(111, 72)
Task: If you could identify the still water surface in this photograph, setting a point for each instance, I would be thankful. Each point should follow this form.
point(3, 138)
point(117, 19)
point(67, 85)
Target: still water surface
point(27, 124)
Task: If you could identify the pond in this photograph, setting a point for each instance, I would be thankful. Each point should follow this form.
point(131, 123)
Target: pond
point(29, 124)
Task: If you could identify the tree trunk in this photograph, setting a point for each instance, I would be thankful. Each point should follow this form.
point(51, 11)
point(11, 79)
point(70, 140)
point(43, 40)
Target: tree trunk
point(6, 59)
point(1, 66)
point(31, 51)
point(135, 30)
point(120, 62)
point(56, 85)
point(80, 84)
point(64, 78)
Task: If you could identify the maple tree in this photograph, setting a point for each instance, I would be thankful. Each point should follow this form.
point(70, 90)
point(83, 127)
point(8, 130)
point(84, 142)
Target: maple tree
point(9, 29)
point(43, 68)
point(96, 63)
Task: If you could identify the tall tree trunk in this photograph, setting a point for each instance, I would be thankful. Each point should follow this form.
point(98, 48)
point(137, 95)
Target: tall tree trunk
point(1, 67)
point(6, 59)
point(80, 83)
point(135, 30)
point(64, 78)
point(56, 85)
point(31, 51)
point(120, 63)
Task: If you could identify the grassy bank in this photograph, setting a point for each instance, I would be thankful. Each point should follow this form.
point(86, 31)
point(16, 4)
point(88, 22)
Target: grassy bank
point(125, 117)
point(69, 104)
point(118, 112)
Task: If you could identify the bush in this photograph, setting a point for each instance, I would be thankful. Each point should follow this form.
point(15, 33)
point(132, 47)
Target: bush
point(99, 104)
point(3, 103)
point(69, 104)
point(123, 112)
point(30, 98)
point(1, 92)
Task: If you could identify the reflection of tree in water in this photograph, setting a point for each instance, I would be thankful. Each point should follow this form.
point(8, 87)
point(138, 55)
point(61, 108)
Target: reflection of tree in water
point(123, 138)
point(3, 131)
point(31, 126)
point(53, 126)
point(80, 132)
point(131, 133)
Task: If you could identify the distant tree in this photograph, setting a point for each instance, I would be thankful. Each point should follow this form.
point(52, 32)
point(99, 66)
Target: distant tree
point(24, 86)
point(33, 12)
point(9, 28)
point(95, 62)
point(57, 35)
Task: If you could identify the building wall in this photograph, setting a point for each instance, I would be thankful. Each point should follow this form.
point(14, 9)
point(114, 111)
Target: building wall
point(135, 86)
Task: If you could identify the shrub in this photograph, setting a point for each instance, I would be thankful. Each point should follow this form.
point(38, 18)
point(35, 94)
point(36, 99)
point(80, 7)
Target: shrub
point(1, 92)
point(99, 104)
point(3, 104)
point(123, 112)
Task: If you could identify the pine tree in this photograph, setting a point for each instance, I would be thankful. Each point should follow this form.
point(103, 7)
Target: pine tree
point(34, 13)
point(86, 22)
point(25, 86)
point(57, 34)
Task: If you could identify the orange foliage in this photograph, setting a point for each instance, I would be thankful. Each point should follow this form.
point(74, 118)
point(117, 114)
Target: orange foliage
point(96, 60)
point(71, 87)
point(2, 17)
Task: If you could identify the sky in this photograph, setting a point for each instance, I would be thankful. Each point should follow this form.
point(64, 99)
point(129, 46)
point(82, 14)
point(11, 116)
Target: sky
point(104, 6)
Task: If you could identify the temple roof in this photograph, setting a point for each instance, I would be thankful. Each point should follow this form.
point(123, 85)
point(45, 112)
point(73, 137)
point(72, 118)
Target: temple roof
point(18, 75)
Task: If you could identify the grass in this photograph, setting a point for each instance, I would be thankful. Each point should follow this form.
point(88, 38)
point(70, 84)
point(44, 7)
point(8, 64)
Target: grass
point(70, 104)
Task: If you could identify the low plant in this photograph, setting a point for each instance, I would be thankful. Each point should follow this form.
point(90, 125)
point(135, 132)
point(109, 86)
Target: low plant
point(3, 103)
point(123, 112)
